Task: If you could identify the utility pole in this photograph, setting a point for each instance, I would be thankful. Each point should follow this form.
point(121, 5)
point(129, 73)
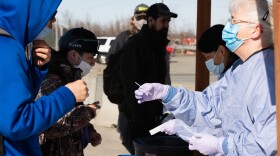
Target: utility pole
point(162, 1)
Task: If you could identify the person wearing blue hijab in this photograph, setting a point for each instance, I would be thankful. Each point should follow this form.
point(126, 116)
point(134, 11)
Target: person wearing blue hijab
point(242, 103)
point(21, 117)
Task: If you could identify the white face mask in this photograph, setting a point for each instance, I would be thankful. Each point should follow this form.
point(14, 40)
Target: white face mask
point(139, 24)
point(46, 30)
point(215, 69)
point(85, 67)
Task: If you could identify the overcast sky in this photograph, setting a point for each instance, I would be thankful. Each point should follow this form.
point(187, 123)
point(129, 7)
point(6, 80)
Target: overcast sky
point(105, 11)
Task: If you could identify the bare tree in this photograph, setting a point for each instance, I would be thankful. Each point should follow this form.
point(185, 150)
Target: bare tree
point(115, 27)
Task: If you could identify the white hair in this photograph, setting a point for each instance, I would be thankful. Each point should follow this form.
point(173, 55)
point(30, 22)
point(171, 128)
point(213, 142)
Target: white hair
point(259, 11)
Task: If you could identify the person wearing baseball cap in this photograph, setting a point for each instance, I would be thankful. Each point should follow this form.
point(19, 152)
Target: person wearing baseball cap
point(144, 60)
point(136, 22)
point(140, 18)
point(74, 59)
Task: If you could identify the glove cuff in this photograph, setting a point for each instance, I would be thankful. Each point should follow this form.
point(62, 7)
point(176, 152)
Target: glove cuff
point(223, 145)
point(168, 93)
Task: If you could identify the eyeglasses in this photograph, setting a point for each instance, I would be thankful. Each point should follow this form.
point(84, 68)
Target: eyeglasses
point(236, 21)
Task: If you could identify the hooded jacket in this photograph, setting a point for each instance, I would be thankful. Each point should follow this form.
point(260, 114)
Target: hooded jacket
point(21, 117)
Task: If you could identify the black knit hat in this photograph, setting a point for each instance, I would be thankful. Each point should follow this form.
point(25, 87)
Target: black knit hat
point(160, 9)
point(79, 39)
point(211, 39)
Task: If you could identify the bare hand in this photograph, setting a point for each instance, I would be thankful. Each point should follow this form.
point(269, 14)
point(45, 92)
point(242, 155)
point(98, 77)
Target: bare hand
point(95, 139)
point(41, 52)
point(79, 89)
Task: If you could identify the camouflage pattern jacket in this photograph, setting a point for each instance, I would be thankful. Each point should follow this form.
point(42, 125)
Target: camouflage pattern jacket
point(71, 134)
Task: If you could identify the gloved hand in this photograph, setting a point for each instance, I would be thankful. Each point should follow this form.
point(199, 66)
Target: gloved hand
point(206, 143)
point(178, 127)
point(168, 127)
point(151, 91)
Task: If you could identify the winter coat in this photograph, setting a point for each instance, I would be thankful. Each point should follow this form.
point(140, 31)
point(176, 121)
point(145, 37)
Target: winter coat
point(143, 61)
point(70, 134)
point(23, 118)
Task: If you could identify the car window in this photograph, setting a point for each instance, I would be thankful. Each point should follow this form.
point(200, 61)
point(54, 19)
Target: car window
point(102, 41)
point(112, 41)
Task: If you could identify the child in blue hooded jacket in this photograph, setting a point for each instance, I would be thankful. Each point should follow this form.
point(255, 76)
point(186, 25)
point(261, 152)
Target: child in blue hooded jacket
point(21, 117)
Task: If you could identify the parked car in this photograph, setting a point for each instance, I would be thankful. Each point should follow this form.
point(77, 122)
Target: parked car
point(104, 46)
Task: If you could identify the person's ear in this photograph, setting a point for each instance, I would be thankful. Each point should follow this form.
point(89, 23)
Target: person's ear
point(73, 57)
point(150, 20)
point(222, 49)
point(257, 31)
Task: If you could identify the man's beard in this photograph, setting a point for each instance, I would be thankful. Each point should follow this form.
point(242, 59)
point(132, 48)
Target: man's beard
point(162, 33)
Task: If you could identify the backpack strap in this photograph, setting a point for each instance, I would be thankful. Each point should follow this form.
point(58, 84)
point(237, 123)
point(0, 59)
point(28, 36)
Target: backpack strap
point(5, 33)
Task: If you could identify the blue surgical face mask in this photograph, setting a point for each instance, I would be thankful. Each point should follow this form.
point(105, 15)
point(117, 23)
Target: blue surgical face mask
point(229, 36)
point(46, 30)
point(212, 67)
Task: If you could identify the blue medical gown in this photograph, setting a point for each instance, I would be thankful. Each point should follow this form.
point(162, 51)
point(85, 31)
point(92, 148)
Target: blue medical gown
point(241, 104)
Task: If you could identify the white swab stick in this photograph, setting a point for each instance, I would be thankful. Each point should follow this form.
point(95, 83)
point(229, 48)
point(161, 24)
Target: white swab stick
point(143, 89)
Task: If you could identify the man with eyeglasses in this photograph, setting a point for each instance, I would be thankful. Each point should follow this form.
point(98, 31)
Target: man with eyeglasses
point(71, 133)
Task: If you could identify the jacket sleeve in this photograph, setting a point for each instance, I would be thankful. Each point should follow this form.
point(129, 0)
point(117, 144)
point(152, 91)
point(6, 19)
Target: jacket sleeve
point(21, 116)
point(71, 122)
point(198, 108)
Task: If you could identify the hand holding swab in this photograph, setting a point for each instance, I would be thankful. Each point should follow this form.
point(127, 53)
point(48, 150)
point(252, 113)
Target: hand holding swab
point(148, 92)
point(140, 87)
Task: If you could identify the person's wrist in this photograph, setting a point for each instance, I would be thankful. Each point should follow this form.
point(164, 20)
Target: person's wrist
point(222, 145)
point(170, 92)
point(164, 91)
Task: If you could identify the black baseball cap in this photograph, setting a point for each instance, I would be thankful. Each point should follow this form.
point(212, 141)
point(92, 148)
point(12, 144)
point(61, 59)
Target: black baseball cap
point(141, 10)
point(160, 9)
point(79, 39)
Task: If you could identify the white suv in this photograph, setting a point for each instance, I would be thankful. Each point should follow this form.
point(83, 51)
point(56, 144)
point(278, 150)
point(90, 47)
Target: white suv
point(104, 46)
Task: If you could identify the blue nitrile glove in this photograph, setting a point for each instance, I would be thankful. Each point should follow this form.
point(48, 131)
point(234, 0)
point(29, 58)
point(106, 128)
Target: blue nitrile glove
point(150, 92)
point(206, 144)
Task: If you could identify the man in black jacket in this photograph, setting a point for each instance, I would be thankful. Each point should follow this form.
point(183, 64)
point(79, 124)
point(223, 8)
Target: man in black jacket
point(144, 61)
point(136, 22)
